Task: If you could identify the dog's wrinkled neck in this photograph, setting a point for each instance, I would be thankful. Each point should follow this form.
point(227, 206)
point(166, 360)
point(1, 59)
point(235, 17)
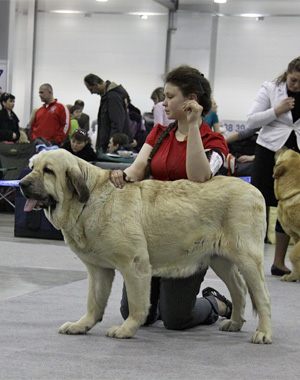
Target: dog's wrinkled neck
point(281, 198)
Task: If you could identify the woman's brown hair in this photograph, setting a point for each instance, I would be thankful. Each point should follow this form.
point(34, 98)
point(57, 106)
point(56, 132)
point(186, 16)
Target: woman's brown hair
point(81, 135)
point(191, 81)
point(294, 65)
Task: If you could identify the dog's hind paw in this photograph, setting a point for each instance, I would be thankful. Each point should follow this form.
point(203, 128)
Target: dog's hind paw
point(119, 332)
point(260, 337)
point(292, 277)
point(230, 325)
point(73, 329)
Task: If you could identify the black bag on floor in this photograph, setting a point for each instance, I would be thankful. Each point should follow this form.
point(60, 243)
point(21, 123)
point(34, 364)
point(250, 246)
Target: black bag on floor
point(32, 224)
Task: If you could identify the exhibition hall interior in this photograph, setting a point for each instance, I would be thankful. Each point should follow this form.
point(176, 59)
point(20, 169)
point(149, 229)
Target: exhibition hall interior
point(239, 48)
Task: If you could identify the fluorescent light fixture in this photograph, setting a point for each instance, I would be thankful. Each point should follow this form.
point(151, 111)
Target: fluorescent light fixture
point(66, 11)
point(220, 1)
point(146, 14)
point(255, 15)
point(102, 1)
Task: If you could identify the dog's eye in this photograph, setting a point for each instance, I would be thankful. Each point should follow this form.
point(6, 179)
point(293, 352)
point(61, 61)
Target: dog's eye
point(48, 171)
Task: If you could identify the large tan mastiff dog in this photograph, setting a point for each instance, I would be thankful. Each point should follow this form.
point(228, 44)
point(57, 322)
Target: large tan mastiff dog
point(168, 229)
point(286, 176)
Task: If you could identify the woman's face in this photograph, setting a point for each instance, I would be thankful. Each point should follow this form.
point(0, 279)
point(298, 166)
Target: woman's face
point(214, 105)
point(173, 102)
point(9, 104)
point(293, 81)
point(77, 145)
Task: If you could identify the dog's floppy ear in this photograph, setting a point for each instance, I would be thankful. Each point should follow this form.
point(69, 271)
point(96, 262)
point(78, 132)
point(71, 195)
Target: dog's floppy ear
point(77, 183)
point(279, 170)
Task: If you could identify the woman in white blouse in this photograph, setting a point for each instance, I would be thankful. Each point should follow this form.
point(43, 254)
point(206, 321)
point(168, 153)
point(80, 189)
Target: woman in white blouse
point(276, 109)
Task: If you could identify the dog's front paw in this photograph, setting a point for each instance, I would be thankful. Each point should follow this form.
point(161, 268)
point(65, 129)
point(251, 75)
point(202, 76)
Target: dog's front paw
point(119, 332)
point(230, 325)
point(73, 329)
point(292, 277)
point(260, 337)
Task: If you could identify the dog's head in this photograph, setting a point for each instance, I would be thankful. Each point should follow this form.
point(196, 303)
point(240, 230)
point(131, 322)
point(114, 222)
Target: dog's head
point(56, 180)
point(286, 173)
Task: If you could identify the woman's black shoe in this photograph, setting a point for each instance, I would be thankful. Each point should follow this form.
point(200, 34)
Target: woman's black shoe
point(278, 272)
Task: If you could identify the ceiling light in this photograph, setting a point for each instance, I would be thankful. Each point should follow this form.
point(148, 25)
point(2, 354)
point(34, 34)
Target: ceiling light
point(102, 1)
point(65, 11)
point(146, 14)
point(256, 15)
point(220, 1)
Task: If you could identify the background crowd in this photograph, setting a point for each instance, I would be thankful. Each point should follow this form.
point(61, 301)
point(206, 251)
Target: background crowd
point(273, 121)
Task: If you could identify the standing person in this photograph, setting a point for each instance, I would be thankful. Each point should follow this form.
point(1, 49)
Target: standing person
point(137, 125)
point(186, 149)
point(9, 122)
point(84, 120)
point(112, 116)
point(212, 118)
point(80, 145)
point(52, 120)
point(159, 113)
point(75, 112)
point(276, 109)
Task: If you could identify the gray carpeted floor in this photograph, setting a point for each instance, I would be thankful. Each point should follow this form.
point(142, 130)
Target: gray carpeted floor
point(43, 284)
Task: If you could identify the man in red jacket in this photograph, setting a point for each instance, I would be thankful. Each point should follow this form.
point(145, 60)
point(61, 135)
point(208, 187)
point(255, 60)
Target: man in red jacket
point(52, 120)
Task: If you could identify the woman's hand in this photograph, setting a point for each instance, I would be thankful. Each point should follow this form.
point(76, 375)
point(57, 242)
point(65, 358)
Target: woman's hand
point(245, 158)
point(284, 106)
point(118, 177)
point(194, 111)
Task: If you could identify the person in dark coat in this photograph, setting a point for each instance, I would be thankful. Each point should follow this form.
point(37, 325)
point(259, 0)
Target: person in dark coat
point(80, 145)
point(112, 116)
point(138, 129)
point(9, 122)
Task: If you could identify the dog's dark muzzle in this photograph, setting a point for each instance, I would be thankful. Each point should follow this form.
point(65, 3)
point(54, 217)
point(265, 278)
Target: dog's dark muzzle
point(36, 199)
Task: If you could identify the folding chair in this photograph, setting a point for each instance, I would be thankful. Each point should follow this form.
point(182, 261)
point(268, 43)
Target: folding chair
point(7, 187)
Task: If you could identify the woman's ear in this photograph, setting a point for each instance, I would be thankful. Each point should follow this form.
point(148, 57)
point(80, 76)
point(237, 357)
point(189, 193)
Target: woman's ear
point(193, 97)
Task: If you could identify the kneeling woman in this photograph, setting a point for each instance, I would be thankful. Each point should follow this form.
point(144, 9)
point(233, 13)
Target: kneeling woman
point(186, 149)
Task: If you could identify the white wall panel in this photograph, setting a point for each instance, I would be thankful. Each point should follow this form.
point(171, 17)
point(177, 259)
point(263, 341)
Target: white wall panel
point(250, 52)
point(191, 41)
point(121, 48)
point(131, 51)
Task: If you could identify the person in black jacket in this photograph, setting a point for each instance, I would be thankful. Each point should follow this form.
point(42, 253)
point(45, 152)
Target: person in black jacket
point(9, 122)
point(112, 116)
point(80, 145)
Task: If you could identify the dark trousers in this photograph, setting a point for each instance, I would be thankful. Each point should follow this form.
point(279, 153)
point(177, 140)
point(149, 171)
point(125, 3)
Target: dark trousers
point(175, 302)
